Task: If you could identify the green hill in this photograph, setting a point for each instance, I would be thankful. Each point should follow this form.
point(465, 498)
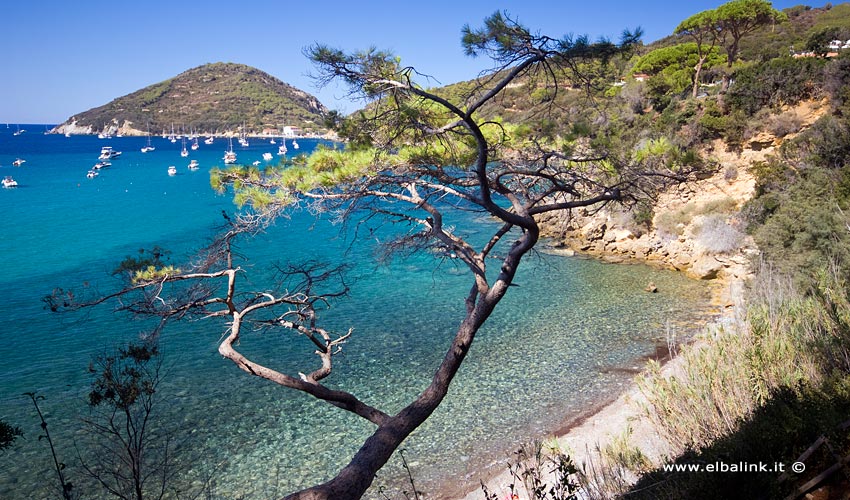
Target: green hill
point(210, 99)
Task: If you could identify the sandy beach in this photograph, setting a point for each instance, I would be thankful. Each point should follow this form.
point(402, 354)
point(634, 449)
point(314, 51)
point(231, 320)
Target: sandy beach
point(599, 425)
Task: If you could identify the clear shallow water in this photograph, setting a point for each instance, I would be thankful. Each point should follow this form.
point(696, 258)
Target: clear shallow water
point(545, 356)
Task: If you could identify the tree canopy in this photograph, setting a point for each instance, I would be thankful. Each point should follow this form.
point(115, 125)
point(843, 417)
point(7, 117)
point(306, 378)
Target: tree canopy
point(674, 66)
point(726, 25)
point(739, 18)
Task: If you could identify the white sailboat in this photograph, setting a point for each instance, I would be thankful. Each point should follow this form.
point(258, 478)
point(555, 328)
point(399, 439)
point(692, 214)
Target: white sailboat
point(148, 148)
point(230, 156)
point(184, 152)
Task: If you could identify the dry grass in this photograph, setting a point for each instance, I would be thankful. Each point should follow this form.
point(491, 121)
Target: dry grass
point(715, 235)
point(673, 222)
point(734, 369)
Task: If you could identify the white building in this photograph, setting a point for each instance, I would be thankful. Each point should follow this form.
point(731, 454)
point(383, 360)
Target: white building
point(290, 131)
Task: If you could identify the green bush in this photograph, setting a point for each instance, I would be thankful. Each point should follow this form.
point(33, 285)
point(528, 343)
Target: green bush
point(804, 227)
point(825, 144)
point(778, 82)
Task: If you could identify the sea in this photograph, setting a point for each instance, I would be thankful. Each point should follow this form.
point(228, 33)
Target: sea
point(569, 336)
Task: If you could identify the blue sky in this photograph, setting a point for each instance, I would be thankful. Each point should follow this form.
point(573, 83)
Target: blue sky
point(62, 57)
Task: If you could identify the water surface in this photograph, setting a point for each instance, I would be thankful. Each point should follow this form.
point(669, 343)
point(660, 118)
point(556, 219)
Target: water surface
point(545, 356)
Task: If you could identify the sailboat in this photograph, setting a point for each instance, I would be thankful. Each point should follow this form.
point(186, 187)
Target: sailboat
point(281, 150)
point(230, 156)
point(184, 153)
point(294, 144)
point(195, 145)
point(148, 148)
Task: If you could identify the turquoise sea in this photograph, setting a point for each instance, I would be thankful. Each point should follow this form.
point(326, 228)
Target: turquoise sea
point(557, 345)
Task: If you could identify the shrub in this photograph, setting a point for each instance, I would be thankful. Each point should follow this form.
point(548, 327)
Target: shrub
point(715, 235)
point(788, 122)
point(642, 215)
point(778, 82)
point(730, 173)
point(804, 227)
point(673, 222)
point(826, 143)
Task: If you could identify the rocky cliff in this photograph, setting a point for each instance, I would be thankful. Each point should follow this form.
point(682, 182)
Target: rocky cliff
point(695, 227)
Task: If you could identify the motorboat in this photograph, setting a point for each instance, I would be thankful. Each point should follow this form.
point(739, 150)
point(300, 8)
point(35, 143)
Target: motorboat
point(18, 162)
point(193, 165)
point(101, 164)
point(92, 174)
point(295, 144)
point(208, 140)
point(267, 156)
point(8, 182)
point(172, 170)
point(107, 153)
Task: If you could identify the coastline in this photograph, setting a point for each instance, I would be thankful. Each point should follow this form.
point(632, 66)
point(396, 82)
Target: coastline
point(606, 237)
point(608, 419)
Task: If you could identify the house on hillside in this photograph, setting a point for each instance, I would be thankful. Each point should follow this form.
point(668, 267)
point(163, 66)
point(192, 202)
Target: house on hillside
point(290, 131)
point(839, 45)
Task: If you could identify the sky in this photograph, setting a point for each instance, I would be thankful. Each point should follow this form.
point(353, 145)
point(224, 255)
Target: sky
point(63, 57)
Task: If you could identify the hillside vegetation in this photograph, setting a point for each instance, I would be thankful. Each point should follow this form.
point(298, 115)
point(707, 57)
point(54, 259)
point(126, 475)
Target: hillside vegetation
point(772, 116)
point(213, 98)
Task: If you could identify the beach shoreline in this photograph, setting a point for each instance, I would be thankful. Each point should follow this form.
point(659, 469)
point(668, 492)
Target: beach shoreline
point(597, 425)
